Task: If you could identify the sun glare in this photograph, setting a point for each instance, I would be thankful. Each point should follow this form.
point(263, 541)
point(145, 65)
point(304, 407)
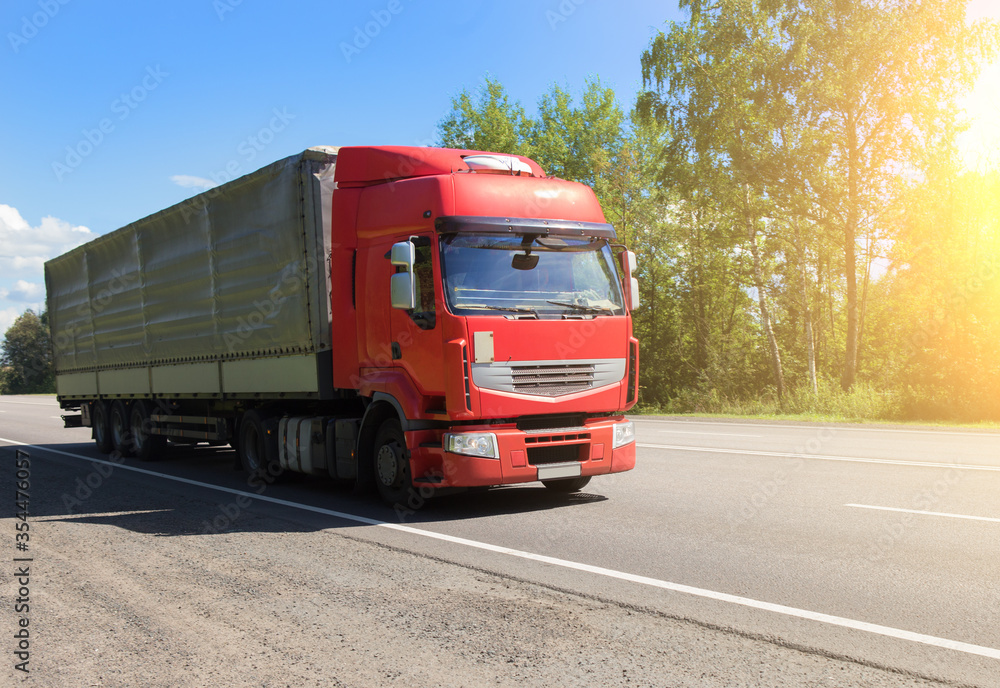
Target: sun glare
point(979, 146)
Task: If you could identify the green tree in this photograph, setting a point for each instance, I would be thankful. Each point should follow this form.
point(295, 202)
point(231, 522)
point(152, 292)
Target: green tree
point(578, 142)
point(715, 82)
point(876, 82)
point(27, 356)
point(489, 122)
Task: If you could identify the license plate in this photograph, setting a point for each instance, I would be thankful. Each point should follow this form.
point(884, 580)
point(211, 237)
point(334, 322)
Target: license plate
point(559, 470)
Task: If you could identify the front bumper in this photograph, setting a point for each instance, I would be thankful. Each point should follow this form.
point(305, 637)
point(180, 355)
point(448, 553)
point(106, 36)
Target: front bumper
point(527, 456)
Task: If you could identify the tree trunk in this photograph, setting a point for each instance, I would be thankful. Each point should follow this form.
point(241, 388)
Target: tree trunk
point(700, 310)
point(850, 259)
point(803, 285)
point(863, 306)
point(765, 315)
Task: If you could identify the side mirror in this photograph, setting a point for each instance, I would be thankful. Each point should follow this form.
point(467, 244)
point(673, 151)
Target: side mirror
point(633, 295)
point(630, 283)
point(402, 292)
point(403, 254)
point(628, 261)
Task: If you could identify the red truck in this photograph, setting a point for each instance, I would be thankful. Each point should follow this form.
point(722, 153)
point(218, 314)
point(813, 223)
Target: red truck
point(413, 318)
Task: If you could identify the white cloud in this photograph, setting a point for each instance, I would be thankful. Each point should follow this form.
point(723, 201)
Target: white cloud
point(7, 318)
point(23, 251)
point(189, 182)
point(23, 291)
point(23, 248)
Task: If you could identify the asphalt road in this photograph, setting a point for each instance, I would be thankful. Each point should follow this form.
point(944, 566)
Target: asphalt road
point(869, 551)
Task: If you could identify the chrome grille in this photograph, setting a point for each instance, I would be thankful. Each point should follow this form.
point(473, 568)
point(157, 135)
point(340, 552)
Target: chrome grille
point(551, 380)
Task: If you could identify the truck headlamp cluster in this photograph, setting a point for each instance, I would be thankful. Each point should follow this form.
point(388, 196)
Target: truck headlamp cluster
point(482, 444)
point(624, 434)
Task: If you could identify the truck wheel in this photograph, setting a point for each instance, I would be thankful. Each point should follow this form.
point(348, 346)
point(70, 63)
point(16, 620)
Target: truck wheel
point(101, 426)
point(145, 445)
point(567, 485)
point(258, 447)
point(121, 436)
point(392, 463)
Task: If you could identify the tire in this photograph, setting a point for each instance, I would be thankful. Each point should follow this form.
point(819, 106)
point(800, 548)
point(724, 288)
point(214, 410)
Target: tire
point(145, 446)
point(567, 485)
point(391, 463)
point(121, 435)
point(101, 426)
point(258, 446)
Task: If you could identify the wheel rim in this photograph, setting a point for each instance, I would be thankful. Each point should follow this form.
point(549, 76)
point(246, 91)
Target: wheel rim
point(252, 449)
point(100, 424)
point(387, 465)
point(117, 428)
point(138, 434)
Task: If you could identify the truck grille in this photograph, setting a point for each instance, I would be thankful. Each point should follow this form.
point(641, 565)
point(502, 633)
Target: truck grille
point(558, 453)
point(552, 380)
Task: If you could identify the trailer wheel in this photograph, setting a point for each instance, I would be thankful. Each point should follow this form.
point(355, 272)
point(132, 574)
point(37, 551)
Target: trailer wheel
point(145, 445)
point(121, 436)
point(101, 426)
point(392, 463)
point(567, 485)
point(258, 447)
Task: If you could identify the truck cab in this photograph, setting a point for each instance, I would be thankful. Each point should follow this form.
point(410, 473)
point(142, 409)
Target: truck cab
point(486, 319)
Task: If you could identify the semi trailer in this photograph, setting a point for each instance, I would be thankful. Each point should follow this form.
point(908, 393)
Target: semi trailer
point(408, 318)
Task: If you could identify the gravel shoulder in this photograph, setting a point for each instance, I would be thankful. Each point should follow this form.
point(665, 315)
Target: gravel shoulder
point(130, 591)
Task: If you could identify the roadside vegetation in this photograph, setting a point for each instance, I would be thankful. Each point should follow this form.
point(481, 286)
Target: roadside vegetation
point(26, 358)
point(810, 241)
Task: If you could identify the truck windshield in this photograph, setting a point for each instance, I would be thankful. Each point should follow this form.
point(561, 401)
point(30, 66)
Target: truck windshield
point(548, 276)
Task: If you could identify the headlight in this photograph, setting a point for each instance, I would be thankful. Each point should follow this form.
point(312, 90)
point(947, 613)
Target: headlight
point(624, 434)
point(472, 444)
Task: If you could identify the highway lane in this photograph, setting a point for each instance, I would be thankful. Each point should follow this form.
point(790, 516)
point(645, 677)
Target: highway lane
point(754, 510)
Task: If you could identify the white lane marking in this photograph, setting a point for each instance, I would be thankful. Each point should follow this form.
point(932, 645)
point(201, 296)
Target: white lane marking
point(27, 403)
point(987, 432)
point(887, 631)
point(703, 434)
point(925, 513)
point(820, 457)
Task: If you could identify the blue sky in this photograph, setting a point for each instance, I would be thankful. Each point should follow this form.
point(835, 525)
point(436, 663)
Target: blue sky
point(114, 110)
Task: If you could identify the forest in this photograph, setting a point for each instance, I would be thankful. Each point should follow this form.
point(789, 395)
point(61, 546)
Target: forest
point(809, 239)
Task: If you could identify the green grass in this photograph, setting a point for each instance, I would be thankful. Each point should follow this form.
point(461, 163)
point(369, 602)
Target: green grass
point(862, 404)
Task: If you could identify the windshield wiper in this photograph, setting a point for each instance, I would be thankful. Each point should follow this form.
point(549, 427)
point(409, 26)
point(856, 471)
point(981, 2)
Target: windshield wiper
point(515, 309)
point(581, 307)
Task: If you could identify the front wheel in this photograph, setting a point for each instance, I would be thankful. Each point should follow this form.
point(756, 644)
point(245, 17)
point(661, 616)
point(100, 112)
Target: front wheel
point(567, 485)
point(392, 463)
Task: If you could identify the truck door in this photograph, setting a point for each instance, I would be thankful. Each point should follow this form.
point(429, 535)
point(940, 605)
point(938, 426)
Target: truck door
point(417, 343)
